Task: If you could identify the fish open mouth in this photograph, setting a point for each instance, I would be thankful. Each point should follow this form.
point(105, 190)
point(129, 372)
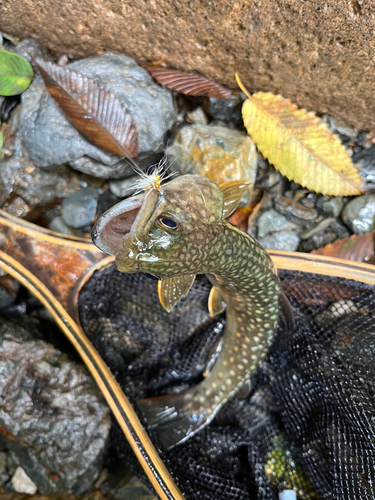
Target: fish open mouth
point(111, 227)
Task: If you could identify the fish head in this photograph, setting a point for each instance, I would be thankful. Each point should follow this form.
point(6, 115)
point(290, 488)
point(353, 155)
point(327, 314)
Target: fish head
point(164, 232)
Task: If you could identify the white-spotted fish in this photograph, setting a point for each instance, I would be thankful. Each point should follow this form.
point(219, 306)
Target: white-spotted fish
point(175, 231)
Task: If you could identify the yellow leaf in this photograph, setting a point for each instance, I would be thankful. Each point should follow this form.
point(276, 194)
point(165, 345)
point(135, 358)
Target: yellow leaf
point(299, 145)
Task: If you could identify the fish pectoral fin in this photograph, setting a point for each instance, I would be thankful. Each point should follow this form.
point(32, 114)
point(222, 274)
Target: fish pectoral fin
point(172, 290)
point(216, 304)
point(232, 192)
point(171, 418)
point(286, 312)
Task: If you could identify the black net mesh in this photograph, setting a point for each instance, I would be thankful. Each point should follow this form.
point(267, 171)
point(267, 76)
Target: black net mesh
point(308, 421)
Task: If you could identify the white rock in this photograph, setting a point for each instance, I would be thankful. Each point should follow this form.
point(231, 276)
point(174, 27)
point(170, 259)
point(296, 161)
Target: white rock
point(287, 495)
point(22, 483)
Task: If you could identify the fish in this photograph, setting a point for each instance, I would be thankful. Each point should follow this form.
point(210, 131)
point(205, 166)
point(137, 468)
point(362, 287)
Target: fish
point(174, 231)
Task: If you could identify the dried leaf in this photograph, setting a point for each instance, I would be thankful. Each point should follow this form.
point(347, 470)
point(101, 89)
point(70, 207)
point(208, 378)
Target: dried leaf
point(358, 248)
point(187, 83)
point(299, 145)
point(92, 109)
point(16, 73)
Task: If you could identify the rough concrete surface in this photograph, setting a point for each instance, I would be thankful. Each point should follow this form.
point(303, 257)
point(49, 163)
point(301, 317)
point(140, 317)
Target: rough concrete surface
point(318, 53)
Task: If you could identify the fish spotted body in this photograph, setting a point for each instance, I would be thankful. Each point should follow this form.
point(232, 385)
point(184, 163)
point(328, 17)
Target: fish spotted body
point(174, 233)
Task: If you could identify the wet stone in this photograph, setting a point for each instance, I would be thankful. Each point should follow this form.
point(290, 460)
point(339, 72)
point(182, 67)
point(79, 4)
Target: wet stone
point(122, 188)
point(50, 139)
point(226, 110)
point(367, 170)
point(55, 421)
point(59, 226)
point(216, 152)
point(359, 214)
point(318, 240)
point(295, 211)
point(272, 221)
point(29, 47)
point(79, 209)
point(331, 206)
point(35, 186)
point(339, 229)
point(287, 241)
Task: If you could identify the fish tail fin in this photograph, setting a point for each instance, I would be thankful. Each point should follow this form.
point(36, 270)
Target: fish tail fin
point(175, 418)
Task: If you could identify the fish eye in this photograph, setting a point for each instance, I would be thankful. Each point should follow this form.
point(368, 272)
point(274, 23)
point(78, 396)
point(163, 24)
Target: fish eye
point(168, 223)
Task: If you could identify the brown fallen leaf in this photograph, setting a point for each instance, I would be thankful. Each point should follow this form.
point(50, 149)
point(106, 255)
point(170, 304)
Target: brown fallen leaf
point(93, 110)
point(357, 248)
point(240, 217)
point(187, 83)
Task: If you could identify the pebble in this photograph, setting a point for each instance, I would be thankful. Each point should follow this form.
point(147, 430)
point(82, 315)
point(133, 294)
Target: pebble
point(359, 214)
point(308, 233)
point(287, 241)
point(330, 205)
point(50, 139)
point(22, 483)
point(287, 495)
point(79, 209)
point(318, 240)
point(339, 126)
point(271, 221)
point(295, 211)
point(368, 170)
point(122, 188)
point(197, 116)
point(35, 186)
point(59, 226)
point(217, 152)
point(226, 110)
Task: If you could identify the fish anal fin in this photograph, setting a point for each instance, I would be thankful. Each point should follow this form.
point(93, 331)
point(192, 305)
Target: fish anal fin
point(286, 312)
point(173, 289)
point(216, 304)
point(172, 418)
point(232, 192)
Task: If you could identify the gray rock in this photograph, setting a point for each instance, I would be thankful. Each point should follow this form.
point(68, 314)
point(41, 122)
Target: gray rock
point(339, 126)
point(58, 225)
point(4, 474)
point(317, 240)
point(219, 153)
point(28, 48)
point(123, 187)
point(18, 176)
point(295, 211)
point(331, 205)
point(359, 214)
point(287, 241)
point(79, 209)
point(272, 221)
point(368, 171)
point(50, 139)
point(56, 421)
point(227, 110)
point(339, 229)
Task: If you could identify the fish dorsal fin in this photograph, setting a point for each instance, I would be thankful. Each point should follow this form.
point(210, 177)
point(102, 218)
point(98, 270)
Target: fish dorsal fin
point(216, 305)
point(232, 191)
point(172, 290)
